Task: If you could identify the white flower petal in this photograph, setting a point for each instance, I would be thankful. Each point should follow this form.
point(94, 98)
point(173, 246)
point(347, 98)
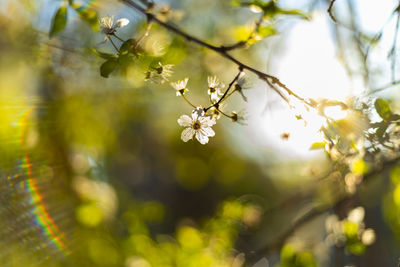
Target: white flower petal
point(207, 131)
point(207, 121)
point(211, 121)
point(121, 23)
point(198, 112)
point(179, 85)
point(185, 121)
point(184, 83)
point(187, 134)
point(212, 81)
point(214, 97)
point(106, 22)
point(356, 215)
point(203, 139)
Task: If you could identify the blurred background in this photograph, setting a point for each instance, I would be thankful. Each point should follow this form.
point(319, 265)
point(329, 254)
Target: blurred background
point(93, 171)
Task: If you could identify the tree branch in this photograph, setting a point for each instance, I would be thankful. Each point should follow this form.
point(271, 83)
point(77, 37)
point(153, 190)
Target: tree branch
point(216, 105)
point(220, 50)
point(393, 49)
point(393, 83)
point(244, 43)
point(330, 11)
point(314, 212)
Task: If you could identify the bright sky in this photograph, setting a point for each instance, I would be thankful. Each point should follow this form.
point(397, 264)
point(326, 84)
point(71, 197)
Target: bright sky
point(309, 66)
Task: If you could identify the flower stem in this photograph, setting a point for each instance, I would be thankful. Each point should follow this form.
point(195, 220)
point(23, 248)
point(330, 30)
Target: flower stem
point(223, 52)
point(116, 36)
point(145, 34)
point(226, 115)
point(226, 91)
point(187, 100)
point(113, 44)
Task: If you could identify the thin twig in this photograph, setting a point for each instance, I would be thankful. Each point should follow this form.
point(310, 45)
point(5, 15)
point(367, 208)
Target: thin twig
point(220, 50)
point(393, 49)
point(116, 36)
point(379, 34)
point(226, 115)
point(330, 11)
point(393, 83)
point(357, 40)
point(145, 34)
point(226, 91)
point(245, 42)
point(187, 100)
point(112, 42)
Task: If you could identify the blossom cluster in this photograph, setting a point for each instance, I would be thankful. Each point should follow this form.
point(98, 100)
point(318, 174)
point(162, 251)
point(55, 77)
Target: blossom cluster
point(199, 124)
point(350, 232)
point(202, 119)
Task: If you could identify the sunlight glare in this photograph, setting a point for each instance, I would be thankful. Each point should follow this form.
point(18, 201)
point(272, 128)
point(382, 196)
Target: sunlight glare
point(310, 67)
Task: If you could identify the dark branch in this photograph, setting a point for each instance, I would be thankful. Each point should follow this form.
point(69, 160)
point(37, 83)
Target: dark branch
point(393, 49)
point(226, 91)
point(330, 11)
point(393, 83)
point(378, 36)
point(218, 49)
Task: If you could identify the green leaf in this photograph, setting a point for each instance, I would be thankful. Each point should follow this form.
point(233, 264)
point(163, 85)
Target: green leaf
point(318, 145)
point(383, 108)
point(294, 12)
point(265, 31)
point(104, 55)
point(125, 59)
point(235, 3)
point(89, 16)
point(350, 229)
point(356, 248)
point(360, 167)
point(107, 67)
point(381, 131)
point(395, 117)
point(127, 46)
point(59, 21)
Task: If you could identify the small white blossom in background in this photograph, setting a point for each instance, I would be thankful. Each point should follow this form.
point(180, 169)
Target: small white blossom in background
point(108, 27)
point(242, 84)
point(198, 125)
point(349, 230)
point(180, 86)
point(356, 215)
point(368, 237)
point(239, 117)
point(215, 88)
point(159, 74)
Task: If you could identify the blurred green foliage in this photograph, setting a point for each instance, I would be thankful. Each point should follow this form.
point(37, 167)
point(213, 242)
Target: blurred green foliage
point(93, 172)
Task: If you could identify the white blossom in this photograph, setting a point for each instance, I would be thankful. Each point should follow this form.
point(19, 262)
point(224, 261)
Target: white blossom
point(108, 27)
point(241, 84)
point(356, 215)
point(368, 237)
point(159, 74)
point(198, 125)
point(215, 88)
point(239, 117)
point(180, 86)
